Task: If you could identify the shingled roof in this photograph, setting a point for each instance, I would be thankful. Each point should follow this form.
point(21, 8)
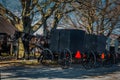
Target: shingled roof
point(6, 27)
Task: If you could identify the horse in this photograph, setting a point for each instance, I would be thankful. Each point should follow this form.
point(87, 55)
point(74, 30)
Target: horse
point(31, 43)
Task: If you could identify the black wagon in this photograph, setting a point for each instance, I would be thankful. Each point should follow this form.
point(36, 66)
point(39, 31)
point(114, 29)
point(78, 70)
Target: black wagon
point(71, 45)
point(63, 45)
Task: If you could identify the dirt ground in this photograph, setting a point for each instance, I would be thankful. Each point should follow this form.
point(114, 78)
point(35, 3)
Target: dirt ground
point(31, 70)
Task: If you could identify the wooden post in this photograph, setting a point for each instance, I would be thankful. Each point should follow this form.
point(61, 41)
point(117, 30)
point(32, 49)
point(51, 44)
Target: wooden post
point(11, 48)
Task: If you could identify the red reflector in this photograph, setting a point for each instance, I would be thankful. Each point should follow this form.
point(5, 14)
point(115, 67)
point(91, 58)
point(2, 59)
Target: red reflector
point(78, 55)
point(102, 56)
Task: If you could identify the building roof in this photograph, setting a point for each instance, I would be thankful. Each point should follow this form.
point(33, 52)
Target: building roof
point(6, 27)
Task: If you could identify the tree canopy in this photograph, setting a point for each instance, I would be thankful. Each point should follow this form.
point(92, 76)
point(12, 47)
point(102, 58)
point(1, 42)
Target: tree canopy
point(93, 16)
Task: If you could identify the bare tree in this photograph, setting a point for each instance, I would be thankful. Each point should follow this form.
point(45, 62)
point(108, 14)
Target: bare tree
point(96, 16)
point(93, 16)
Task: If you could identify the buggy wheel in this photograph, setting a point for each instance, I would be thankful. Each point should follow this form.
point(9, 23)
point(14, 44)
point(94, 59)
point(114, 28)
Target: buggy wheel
point(100, 58)
point(67, 58)
point(117, 57)
point(46, 57)
point(89, 61)
point(110, 60)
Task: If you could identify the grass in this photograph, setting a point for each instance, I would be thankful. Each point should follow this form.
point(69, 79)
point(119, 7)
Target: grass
point(27, 63)
point(19, 63)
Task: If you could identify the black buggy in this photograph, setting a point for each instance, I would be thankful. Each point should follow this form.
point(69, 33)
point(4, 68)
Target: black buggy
point(75, 46)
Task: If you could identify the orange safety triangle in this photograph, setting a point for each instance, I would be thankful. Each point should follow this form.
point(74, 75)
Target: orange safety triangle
point(78, 55)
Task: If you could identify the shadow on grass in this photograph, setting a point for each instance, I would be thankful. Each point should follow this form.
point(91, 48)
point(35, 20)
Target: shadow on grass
point(55, 72)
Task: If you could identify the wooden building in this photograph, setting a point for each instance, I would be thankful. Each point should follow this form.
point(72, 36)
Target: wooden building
point(6, 30)
point(6, 27)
